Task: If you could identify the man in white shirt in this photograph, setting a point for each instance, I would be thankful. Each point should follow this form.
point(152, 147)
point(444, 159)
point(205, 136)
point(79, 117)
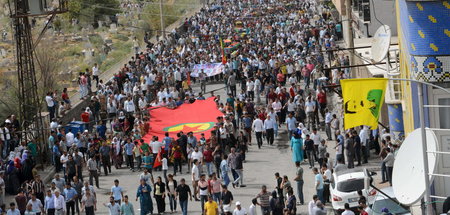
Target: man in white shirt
point(70, 137)
point(328, 118)
point(50, 105)
point(178, 80)
point(252, 208)
point(364, 136)
point(197, 155)
point(195, 176)
point(347, 211)
point(156, 146)
point(250, 89)
point(272, 114)
point(36, 204)
point(59, 203)
point(239, 210)
point(310, 107)
point(89, 187)
point(257, 89)
point(258, 127)
point(327, 177)
point(129, 106)
point(95, 73)
point(312, 204)
point(315, 136)
point(269, 125)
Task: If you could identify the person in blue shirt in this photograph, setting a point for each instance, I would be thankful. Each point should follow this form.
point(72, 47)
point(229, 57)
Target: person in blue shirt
point(318, 182)
point(116, 192)
point(143, 193)
point(49, 203)
point(291, 123)
point(192, 140)
point(101, 129)
point(56, 157)
point(247, 121)
point(70, 196)
point(147, 161)
point(167, 143)
point(128, 148)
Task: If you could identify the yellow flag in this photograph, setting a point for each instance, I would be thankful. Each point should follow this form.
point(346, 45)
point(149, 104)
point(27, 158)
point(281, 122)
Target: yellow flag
point(362, 101)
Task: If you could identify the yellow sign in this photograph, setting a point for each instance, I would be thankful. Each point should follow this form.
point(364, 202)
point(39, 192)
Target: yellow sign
point(362, 101)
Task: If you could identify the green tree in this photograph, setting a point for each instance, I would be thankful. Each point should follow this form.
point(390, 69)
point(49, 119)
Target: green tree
point(91, 11)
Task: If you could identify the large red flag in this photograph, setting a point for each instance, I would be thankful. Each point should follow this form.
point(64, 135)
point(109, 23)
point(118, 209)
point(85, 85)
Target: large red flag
point(158, 160)
point(198, 117)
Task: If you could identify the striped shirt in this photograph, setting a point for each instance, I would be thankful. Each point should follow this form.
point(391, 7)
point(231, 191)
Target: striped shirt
point(38, 186)
point(264, 199)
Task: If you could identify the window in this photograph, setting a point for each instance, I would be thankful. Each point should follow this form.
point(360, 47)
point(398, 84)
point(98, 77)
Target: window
point(393, 207)
point(444, 113)
point(351, 185)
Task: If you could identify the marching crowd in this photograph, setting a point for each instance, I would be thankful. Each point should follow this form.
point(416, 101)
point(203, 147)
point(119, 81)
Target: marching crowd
point(280, 44)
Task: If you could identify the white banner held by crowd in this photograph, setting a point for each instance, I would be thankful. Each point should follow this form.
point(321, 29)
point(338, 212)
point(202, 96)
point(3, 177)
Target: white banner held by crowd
point(210, 69)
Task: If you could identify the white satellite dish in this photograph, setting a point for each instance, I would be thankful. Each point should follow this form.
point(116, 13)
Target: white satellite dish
point(408, 179)
point(380, 43)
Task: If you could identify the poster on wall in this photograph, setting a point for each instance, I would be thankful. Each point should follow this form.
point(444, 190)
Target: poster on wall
point(210, 69)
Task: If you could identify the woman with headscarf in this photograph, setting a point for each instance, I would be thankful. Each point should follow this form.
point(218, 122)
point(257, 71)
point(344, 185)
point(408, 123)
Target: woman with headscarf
point(297, 147)
point(117, 152)
point(276, 204)
point(143, 193)
point(27, 166)
point(12, 182)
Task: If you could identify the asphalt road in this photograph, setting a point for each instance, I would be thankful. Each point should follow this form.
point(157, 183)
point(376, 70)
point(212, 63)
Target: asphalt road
point(259, 169)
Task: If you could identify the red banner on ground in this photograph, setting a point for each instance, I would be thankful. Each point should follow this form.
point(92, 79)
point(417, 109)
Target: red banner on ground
point(198, 117)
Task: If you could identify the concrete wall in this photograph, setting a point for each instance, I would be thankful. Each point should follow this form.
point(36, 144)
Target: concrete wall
point(385, 13)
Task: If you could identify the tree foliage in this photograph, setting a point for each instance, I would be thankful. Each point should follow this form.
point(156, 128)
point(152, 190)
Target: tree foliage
point(91, 11)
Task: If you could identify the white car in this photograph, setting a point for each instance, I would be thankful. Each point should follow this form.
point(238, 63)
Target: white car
point(381, 202)
point(344, 189)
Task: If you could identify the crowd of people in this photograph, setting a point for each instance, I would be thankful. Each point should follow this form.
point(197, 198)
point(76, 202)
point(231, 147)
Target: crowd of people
point(280, 45)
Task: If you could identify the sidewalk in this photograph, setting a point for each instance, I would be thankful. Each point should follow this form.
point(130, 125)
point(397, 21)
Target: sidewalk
point(46, 176)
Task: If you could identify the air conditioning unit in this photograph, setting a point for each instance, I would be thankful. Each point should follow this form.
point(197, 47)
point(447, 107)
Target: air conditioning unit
point(37, 7)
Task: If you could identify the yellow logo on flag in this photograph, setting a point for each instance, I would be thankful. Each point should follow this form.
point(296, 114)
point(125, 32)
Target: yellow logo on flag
point(190, 127)
point(362, 101)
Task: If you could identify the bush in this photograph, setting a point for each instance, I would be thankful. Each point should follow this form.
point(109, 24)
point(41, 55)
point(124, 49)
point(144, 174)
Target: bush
point(120, 37)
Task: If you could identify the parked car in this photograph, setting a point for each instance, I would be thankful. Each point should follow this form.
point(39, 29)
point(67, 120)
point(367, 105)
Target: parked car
point(344, 189)
point(381, 201)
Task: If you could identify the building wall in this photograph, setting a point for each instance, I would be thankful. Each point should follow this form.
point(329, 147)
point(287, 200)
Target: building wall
point(385, 13)
point(424, 38)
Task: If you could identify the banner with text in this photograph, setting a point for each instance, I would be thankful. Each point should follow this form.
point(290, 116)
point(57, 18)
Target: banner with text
point(210, 69)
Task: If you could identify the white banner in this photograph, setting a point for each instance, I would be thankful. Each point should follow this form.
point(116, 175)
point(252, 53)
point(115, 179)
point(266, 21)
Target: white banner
point(210, 69)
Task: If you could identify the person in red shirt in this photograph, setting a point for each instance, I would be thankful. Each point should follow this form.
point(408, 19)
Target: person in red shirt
point(362, 207)
point(292, 91)
point(322, 99)
point(85, 115)
point(262, 114)
point(177, 154)
point(280, 77)
point(271, 95)
point(208, 159)
point(65, 98)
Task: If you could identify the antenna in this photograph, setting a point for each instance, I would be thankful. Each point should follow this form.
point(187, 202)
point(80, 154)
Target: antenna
point(380, 43)
point(408, 179)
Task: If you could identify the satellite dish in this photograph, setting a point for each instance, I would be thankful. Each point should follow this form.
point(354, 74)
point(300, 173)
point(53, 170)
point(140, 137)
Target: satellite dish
point(380, 43)
point(408, 175)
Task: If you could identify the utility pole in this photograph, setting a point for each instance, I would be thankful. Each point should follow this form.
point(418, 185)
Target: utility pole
point(30, 101)
point(349, 29)
point(163, 29)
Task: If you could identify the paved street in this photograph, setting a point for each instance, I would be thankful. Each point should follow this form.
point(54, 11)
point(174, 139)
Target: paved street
point(258, 170)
